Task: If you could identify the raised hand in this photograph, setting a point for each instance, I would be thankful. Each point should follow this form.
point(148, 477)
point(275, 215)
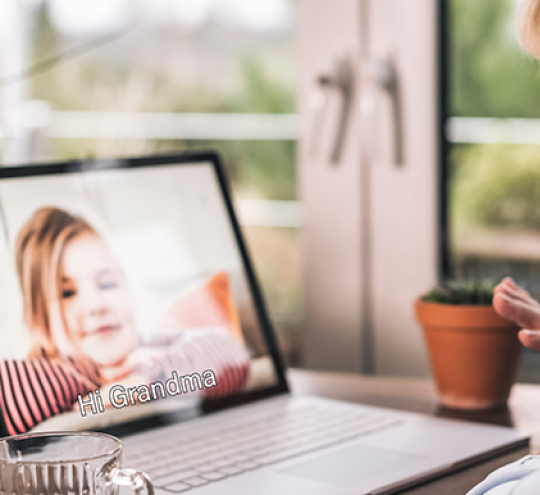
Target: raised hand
point(514, 303)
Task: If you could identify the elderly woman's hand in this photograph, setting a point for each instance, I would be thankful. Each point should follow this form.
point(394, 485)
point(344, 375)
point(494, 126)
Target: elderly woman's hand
point(516, 304)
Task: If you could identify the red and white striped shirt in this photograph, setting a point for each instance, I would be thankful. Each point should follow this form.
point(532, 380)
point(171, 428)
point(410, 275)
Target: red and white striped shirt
point(33, 390)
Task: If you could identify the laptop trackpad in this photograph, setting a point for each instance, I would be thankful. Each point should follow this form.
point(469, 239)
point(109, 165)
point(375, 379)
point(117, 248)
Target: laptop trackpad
point(353, 465)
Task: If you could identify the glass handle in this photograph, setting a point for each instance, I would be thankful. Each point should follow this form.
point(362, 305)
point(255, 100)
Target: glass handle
point(126, 477)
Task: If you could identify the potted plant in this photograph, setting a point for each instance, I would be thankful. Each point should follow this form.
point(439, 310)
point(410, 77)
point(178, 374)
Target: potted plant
point(474, 352)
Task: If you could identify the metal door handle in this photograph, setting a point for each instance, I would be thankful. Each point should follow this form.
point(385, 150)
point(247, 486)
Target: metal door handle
point(341, 79)
point(382, 75)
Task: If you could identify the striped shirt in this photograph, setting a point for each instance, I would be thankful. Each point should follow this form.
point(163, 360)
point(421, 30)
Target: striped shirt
point(33, 390)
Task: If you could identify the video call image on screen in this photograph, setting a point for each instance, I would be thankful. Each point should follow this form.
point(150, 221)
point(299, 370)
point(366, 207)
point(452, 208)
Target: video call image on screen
point(122, 294)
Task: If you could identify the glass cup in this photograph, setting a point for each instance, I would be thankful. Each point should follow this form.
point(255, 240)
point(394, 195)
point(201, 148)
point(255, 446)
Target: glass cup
point(69, 463)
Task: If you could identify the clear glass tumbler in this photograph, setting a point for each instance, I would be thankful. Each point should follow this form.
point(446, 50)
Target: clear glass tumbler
point(67, 463)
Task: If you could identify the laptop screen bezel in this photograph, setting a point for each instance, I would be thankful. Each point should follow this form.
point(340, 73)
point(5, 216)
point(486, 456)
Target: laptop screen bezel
point(183, 158)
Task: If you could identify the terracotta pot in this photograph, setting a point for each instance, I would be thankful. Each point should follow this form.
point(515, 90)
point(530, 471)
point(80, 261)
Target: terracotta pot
point(474, 353)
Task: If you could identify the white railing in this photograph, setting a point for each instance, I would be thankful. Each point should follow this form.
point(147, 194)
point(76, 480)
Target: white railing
point(490, 131)
point(237, 126)
point(164, 125)
point(208, 126)
point(269, 213)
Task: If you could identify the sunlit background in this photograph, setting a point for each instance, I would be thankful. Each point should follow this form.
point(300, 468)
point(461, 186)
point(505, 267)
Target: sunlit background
point(130, 77)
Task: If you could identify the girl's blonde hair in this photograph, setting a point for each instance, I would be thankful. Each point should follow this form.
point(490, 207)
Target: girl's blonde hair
point(39, 249)
point(528, 26)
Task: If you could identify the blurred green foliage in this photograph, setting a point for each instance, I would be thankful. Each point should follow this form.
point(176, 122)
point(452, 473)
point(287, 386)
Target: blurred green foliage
point(497, 186)
point(119, 78)
point(490, 76)
point(261, 93)
point(492, 186)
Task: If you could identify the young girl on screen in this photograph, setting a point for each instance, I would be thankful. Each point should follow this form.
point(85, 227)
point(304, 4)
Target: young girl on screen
point(79, 311)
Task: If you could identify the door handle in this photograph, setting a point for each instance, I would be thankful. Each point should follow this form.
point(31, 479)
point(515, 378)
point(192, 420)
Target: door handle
point(340, 79)
point(381, 75)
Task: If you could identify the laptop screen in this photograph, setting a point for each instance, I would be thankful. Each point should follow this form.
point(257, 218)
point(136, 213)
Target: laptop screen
point(124, 293)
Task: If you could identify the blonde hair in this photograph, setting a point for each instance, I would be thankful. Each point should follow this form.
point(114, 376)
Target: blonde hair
point(528, 26)
point(39, 249)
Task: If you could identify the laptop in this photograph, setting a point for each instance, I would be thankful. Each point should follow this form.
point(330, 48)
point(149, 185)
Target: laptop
point(129, 304)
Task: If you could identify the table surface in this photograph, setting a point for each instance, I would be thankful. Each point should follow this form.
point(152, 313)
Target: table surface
point(418, 395)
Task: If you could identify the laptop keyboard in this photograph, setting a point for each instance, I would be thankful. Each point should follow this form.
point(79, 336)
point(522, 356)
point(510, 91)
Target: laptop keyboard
point(193, 459)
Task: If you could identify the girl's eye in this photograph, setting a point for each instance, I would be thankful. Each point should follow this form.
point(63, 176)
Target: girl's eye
point(107, 285)
point(67, 293)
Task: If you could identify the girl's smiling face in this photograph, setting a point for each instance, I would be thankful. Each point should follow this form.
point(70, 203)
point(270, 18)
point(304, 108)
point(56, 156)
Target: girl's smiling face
point(95, 303)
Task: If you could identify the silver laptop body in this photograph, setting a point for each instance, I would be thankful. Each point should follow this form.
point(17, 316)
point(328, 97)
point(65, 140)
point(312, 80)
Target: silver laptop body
point(171, 222)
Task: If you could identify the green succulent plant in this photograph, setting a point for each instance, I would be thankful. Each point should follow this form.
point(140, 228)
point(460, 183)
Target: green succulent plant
point(470, 292)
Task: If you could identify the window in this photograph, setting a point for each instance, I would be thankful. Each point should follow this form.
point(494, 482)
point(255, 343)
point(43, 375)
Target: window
point(132, 77)
point(494, 151)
